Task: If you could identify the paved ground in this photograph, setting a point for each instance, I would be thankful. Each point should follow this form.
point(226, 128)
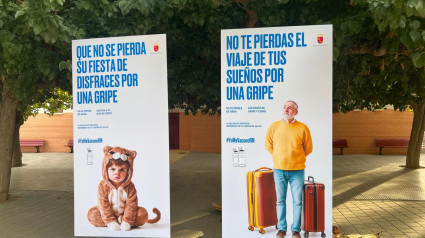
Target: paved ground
point(41, 200)
point(372, 193)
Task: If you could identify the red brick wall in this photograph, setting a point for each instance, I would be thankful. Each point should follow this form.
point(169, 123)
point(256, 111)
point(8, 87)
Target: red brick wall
point(361, 128)
point(200, 133)
point(56, 130)
point(185, 133)
point(203, 132)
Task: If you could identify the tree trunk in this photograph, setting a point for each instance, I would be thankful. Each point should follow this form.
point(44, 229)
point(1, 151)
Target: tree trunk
point(8, 108)
point(252, 14)
point(416, 136)
point(17, 154)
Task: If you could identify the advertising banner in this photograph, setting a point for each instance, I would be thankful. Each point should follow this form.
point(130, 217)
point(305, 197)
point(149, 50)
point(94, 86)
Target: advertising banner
point(268, 75)
point(121, 152)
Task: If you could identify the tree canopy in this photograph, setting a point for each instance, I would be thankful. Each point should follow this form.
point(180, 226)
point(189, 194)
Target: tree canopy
point(34, 59)
point(373, 40)
point(384, 64)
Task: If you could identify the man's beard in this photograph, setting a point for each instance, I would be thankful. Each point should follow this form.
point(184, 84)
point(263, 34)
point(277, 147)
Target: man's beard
point(288, 117)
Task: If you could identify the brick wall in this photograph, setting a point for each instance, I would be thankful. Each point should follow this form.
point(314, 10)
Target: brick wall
point(200, 133)
point(203, 132)
point(185, 133)
point(56, 130)
point(361, 128)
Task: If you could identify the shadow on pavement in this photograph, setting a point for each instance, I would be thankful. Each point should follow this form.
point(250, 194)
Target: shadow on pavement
point(195, 185)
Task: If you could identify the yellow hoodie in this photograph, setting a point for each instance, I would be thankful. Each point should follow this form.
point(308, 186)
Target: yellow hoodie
point(289, 144)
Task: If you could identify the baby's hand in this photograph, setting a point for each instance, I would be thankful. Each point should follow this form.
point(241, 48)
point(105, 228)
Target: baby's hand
point(114, 226)
point(125, 226)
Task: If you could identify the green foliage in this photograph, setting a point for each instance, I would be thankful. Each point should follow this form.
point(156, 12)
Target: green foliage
point(58, 100)
point(193, 42)
point(34, 52)
point(379, 51)
point(395, 77)
point(419, 59)
point(53, 100)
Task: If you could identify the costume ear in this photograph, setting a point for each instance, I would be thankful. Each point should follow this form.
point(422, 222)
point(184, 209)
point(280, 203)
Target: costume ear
point(106, 149)
point(133, 153)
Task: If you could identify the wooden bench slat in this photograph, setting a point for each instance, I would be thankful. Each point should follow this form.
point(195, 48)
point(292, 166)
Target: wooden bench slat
point(70, 145)
point(339, 143)
point(32, 143)
point(391, 143)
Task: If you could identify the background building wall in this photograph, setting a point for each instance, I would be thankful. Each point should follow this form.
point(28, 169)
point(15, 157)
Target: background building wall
point(56, 130)
point(200, 132)
point(361, 128)
point(203, 132)
point(185, 135)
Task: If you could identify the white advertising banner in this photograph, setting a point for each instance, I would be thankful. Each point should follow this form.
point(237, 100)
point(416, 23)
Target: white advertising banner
point(121, 153)
point(261, 70)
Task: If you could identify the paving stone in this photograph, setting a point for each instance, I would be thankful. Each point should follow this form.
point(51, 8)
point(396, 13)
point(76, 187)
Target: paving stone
point(371, 194)
point(43, 206)
point(376, 187)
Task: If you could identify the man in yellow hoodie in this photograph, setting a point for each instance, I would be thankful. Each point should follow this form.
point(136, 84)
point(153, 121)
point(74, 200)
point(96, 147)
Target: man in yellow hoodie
point(289, 142)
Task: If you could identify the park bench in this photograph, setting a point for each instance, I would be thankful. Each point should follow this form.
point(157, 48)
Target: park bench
point(391, 143)
point(37, 143)
point(70, 145)
point(339, 143)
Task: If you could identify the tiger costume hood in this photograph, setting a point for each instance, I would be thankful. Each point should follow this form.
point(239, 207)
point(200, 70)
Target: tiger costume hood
point(118, 153)
point(118, 208)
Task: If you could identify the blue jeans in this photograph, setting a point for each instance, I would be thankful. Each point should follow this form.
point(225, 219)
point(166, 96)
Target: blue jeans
point(295, 178)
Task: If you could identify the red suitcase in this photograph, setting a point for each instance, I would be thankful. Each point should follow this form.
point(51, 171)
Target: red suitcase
point(314, 207)
point(261, 199)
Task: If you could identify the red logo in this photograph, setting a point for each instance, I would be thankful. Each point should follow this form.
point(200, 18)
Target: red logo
point(320, 38)
point(156, 47)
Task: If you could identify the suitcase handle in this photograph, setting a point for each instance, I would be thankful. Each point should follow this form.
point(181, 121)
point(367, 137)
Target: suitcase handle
point(263, 168)
point(312, 179)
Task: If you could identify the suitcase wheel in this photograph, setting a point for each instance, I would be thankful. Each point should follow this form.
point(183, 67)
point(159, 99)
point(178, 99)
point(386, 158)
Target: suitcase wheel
point(306, 234)
point(251, 228)
point(323, 235)
point(262, 231)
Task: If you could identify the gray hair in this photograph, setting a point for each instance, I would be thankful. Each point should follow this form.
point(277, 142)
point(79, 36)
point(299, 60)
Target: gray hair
point(296, 105)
